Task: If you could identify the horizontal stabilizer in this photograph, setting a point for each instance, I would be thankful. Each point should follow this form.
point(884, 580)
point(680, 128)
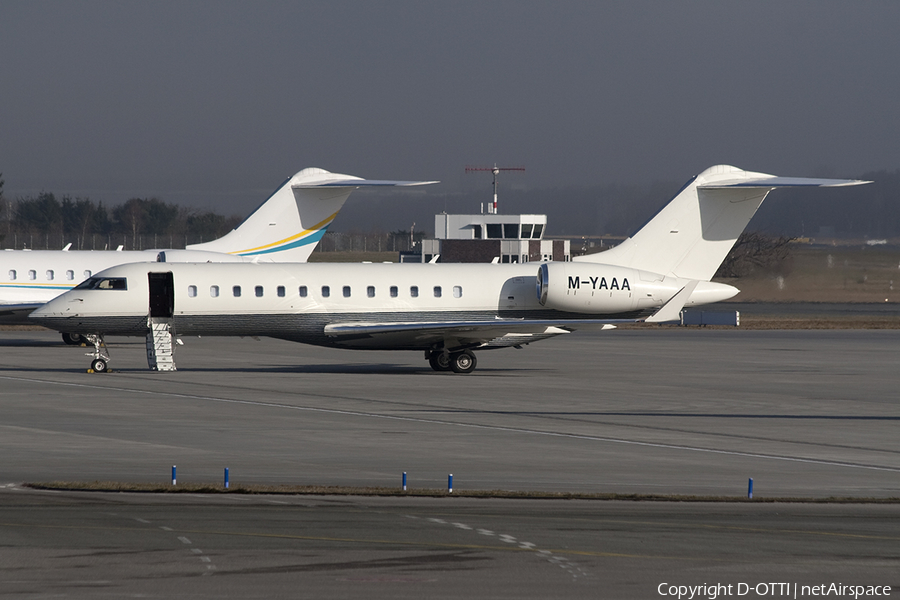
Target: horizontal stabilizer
point(778, 182)
point(361, 183)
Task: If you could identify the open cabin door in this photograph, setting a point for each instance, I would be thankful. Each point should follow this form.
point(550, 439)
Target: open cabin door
point(160, 349)
point(162, 295)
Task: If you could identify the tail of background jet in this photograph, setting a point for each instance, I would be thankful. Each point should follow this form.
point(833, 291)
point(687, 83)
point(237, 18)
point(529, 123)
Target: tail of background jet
point(289, 224)
point(690, 237)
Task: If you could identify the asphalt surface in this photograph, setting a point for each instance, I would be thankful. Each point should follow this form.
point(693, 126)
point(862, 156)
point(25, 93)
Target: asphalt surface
point(75, 545)
point(807, 414)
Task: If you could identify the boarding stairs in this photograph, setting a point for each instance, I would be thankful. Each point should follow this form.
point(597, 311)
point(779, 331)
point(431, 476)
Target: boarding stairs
point(160, 346)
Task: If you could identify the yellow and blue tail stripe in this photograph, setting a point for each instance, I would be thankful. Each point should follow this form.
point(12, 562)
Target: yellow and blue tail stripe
point(305, 237)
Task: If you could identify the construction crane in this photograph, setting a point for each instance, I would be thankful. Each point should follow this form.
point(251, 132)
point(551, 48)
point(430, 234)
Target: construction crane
point(492, 207)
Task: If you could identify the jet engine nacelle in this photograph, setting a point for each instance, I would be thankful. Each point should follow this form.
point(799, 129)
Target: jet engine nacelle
point(593, 288)
point(596, 289)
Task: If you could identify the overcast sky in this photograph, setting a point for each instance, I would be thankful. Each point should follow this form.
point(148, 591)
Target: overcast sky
point(213, 104)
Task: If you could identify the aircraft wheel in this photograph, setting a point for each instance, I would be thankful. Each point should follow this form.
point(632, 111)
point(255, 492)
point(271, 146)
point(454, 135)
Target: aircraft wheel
point(73, 339)
point(99, 365)
point(463, 362)
point(439, 361)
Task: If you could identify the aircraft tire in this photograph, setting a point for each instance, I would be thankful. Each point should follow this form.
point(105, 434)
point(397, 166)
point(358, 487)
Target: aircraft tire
point(99, 365)
point(463, 362)
point(439, 361)
point(73, 339)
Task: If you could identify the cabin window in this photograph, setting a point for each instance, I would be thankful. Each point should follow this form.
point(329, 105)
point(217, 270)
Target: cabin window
point(280, 291)
point(87, 273)
point(326, 291)
point(437, 291)
point(32, 274)
point(370, 291)
point(414, 291)
point(259, 291)
point(112, 283)
point(394, 291)
point(236, 290)
point(103, 283)
point(12, 274)
point(457, 291)
point(214, 291)
point(192, 291)
point(70, 274)
point(346, 291)
point(49, 274)
point(303, 291)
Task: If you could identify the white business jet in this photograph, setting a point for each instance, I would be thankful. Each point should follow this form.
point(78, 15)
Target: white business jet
point(284, 228)
point(445, 310)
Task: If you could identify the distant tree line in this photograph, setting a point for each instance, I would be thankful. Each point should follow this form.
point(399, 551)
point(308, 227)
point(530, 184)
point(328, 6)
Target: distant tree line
point(756, 252)
point(47, 222)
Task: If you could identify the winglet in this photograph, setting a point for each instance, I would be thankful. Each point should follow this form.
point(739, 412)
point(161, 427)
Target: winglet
point(671, 310)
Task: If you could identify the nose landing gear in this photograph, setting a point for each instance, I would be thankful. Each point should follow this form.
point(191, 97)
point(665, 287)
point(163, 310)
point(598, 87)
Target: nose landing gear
point(100, 364)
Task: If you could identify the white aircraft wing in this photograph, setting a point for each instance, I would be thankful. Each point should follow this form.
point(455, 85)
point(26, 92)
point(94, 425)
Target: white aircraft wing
point(17, 313)
point(460, 334)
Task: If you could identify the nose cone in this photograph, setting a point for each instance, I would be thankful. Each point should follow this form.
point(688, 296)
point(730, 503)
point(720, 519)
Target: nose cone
point(54, 312)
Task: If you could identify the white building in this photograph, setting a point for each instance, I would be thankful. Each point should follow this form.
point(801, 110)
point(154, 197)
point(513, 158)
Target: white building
point(489, 237)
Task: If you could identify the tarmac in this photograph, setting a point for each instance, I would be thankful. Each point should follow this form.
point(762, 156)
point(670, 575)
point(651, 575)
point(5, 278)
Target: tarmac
point(806, 414)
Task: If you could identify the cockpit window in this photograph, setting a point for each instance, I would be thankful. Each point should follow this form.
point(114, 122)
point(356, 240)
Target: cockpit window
point(103, 283)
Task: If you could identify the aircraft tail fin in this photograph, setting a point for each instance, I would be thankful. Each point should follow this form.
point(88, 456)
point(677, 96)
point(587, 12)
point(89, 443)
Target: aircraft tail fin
point(289, 224)
point(691, 236)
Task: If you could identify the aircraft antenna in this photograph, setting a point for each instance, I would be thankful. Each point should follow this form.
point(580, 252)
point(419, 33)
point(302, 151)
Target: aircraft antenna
point(492, 207)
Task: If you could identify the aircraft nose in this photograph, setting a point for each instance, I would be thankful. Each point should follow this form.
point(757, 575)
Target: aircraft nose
point(57, 307)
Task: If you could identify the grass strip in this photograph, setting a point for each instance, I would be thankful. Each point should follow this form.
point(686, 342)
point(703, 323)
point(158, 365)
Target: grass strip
point(322, 490)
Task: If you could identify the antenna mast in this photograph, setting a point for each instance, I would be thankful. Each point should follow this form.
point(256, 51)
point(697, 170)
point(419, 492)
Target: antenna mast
point(492, 207)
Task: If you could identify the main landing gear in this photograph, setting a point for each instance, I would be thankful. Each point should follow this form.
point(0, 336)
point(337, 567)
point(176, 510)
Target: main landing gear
point(100, 364)
point(73, 339)
point(458, 362)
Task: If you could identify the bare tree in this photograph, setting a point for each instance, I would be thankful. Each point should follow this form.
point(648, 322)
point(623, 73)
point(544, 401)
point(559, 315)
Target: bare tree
point(754, 252)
